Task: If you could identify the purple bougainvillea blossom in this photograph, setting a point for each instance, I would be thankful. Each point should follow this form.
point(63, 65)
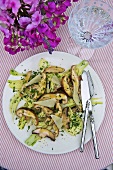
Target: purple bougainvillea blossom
point(4, 4)
point(24, 21)
point(63, 19)
point(50, 23)
point(39, 39)
point(9, 20)
point(5, 18)
point(14, 5)
point(24, 42)
point(60, 9)
point(36, 18)
point(30, 2)
point(33, 4)
point(7, 40)
point(50, 8)
point(56, 22)
point(54, 43)
point(30, 27)
point(42, 28)
point(67, 3)
point(30, 23)
point(50, 34)
point(12, 50)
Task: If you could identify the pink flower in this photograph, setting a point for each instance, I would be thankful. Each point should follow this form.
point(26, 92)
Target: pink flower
point(60, 9)
point(50, 8)
point(12, 50)
point(54, 43)
point(67, 3)
point(4, 4)
point(14, 5)
point(29, 23)
point(42, 28)
point(30, 27)
point(23, 21)
point(56, 22)
point(30, 2)
point(5, 18)
point(63, 19)
point(36, 18)
point(33, 3)
point(50, 34)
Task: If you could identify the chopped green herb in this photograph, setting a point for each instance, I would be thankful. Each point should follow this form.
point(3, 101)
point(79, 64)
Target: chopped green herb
point(13, 89)
point(28, 128)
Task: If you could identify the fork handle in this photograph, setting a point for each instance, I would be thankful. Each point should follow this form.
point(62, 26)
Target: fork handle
point(94, 137)
point(84, 130)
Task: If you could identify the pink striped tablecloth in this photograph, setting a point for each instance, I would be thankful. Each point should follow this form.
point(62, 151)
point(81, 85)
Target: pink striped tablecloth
point(15, 156)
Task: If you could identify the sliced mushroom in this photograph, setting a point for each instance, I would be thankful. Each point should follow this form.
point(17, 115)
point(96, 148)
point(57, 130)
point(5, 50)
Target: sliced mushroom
point(28, 75)
point(65, 111)
point(66, 86)
point(41, 87)
point(57, 96)
point(65, 121)
point(44, 133)
point(77, 109)
point(61, 96)
point(56, 130)
point(48, 119)
point(74, 77)
point(75, 80)
point(46, 110)
point(59, 112)
point(54, 69)
point(51, 122)
point(65, 118)
point(28, 113)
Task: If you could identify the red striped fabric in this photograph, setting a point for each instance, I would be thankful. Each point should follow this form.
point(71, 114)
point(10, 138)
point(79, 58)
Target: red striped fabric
point(15, 156)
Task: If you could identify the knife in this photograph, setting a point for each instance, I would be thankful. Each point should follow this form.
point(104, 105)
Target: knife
point(85, 95)
point(92, 122)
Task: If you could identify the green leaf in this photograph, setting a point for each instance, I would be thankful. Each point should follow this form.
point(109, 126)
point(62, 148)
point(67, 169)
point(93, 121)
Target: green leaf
point(16, 73)
point(80, 67)
point(32, 139)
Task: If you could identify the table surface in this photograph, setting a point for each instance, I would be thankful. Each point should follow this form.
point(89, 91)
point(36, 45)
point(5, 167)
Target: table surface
point(16, 156)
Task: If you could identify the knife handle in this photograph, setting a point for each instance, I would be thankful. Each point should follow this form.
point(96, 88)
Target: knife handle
point(94, 136)
point(84, 130)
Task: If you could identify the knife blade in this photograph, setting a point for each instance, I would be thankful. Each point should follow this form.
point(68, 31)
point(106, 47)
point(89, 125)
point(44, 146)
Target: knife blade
point(85, 95)
point(92, 122)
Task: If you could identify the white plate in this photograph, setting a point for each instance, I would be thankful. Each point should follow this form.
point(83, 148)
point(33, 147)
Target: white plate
point(65, 143)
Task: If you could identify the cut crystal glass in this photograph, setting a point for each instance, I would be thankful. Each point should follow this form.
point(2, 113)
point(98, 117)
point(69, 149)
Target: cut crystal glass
point(91, 25)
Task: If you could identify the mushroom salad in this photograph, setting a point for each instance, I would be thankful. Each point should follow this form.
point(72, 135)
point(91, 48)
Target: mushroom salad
point(52, 100)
